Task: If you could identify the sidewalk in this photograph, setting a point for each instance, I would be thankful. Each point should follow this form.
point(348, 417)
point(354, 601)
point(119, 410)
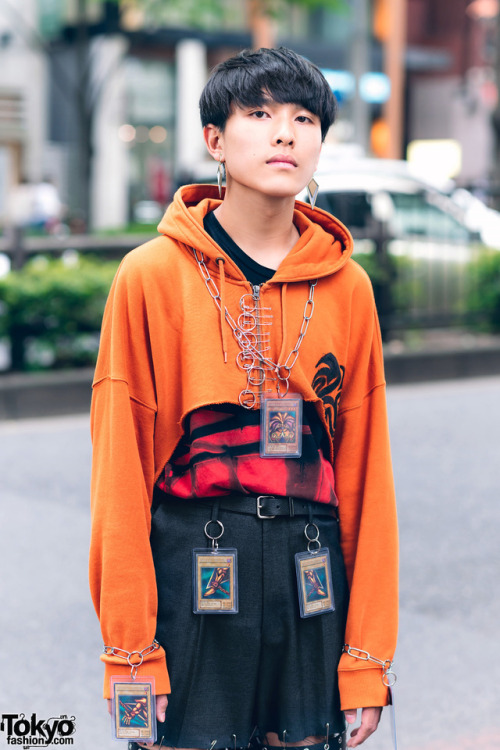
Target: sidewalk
point(45, 394)
point(442, 356)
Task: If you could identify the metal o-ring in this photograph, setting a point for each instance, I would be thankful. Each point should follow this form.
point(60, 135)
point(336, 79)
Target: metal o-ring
point(281, 376)
point(135, 664)
point(311, 539)
point(245, 359)
point(247, 403)
point(256, 379)
point(247, 321)
point(389, 679)
point(244, 306)
point(279, 387)
point(317, 549)
point(213, 538)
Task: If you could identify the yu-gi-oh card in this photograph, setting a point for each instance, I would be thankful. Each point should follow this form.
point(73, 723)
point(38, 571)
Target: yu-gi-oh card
point(215, 581)
point(281, 427)
point(134, 708)
point(314, 579)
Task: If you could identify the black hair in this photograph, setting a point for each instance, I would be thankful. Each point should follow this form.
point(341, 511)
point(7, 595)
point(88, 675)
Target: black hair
point(251, 78)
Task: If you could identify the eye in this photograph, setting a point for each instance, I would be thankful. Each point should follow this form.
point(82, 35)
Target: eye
point(259, 114)
point(304, 118)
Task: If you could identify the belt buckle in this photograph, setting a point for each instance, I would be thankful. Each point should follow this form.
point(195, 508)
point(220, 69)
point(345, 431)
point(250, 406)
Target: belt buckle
point(259, 505)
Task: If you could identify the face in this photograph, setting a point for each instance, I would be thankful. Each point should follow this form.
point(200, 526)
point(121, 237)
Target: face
point(272, 149)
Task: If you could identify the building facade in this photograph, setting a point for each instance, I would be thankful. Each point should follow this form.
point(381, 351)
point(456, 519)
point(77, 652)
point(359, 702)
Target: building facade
point(452, 91)
point(123, 119)
point(23, 100)
point(104, 101)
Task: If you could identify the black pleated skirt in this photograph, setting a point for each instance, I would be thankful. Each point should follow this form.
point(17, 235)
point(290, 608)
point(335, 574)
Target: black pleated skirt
point(264, 669)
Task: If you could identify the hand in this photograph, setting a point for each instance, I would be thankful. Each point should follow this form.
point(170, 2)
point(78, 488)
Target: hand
point(161, 707)
point(370, 718)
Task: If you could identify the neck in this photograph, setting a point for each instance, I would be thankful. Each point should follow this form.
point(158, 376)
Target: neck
point(262, 226)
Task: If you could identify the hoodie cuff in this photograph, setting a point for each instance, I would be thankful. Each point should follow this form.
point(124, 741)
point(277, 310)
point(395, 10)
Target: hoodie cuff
point(362, 688)
point(156, 668)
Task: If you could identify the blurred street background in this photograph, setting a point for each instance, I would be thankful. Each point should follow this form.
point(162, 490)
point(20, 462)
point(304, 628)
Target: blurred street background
point(99, 125)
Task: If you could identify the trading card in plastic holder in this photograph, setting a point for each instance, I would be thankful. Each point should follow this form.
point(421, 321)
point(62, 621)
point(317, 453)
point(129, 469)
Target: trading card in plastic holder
point(215, 581)
point(133, 711)
point(314, 581)
point(281, 427)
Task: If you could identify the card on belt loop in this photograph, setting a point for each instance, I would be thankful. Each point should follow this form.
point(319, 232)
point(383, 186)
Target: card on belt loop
point(215, 581)
point(314, 582)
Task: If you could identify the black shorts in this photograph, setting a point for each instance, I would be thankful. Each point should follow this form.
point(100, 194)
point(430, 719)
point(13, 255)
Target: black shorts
point(264, 669)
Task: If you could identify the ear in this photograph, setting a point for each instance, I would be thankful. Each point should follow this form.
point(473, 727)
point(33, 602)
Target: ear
point(214, 141)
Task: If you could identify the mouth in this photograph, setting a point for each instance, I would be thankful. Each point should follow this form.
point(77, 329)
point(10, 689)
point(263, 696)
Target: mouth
point(283, 160)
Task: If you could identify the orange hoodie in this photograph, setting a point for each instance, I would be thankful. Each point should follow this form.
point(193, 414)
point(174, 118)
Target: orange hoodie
point(162, 356)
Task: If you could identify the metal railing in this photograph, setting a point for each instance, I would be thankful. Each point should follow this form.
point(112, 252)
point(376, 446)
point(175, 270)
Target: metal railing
point(418, 282)
point(19, 247)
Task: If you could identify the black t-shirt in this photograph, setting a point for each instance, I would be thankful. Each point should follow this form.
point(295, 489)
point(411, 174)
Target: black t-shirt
point(254, 272)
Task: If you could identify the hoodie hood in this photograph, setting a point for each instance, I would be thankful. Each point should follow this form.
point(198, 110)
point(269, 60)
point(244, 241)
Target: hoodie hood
point(324, 246)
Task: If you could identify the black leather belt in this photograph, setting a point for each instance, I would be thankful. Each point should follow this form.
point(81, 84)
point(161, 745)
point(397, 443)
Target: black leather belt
point(263, 506)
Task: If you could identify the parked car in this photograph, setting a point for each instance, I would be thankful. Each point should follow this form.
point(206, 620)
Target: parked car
point(417, 239)
point(367, 193)
point(147, 212)
point(479, 217)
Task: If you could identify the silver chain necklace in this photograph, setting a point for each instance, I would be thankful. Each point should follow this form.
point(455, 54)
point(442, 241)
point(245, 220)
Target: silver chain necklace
point(251, 358)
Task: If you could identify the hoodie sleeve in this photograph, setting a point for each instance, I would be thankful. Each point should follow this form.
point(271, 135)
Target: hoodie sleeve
point(367, 511)
point(122, 577)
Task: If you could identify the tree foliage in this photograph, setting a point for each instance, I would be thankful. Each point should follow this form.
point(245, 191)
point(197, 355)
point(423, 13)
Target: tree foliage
point(199, 13)
point(54, 308)
point(484, 297)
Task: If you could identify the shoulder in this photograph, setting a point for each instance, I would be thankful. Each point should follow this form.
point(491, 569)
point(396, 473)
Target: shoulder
point(352, 284)
point(152, 254)
point(358, 277)
point(148, 274)
point(159, 259)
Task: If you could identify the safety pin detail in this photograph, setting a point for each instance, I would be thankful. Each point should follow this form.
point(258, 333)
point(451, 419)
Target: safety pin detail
point(248, 308)
point(245, 359)
point(247, 327)
point(256, 343)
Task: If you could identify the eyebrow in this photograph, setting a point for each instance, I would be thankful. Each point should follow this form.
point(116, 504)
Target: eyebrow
point(270, 102)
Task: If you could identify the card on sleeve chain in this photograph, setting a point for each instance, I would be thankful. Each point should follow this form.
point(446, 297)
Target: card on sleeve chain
point(133, 708)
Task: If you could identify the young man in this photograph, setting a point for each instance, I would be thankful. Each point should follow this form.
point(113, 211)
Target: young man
point(239, 401)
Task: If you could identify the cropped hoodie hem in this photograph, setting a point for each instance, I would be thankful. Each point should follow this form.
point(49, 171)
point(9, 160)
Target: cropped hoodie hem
point(167, 350)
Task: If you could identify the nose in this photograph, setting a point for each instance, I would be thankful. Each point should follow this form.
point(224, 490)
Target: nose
point(285, 133)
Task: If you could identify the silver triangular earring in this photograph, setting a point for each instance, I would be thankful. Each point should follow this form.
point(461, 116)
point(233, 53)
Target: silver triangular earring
point(221, 173)
point(312, 192)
